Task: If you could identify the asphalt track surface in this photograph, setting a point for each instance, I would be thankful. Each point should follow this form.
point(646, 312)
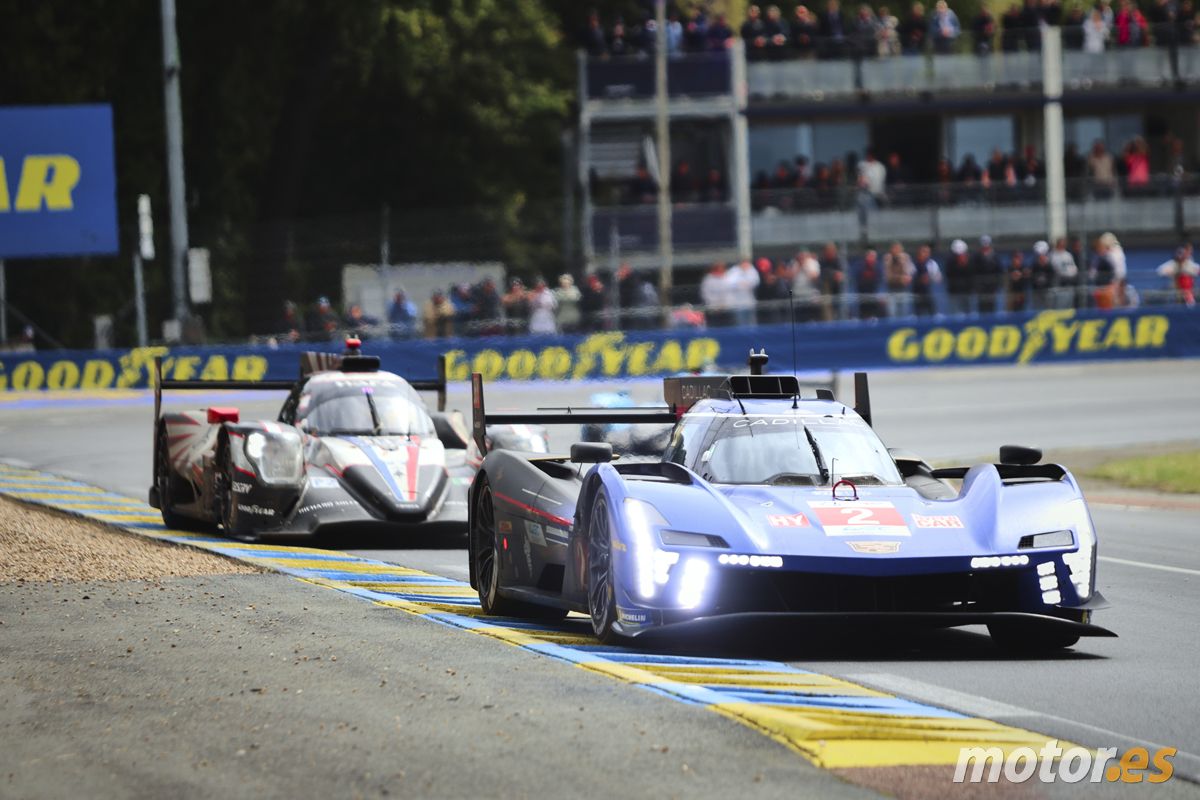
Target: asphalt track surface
point(1138, 689)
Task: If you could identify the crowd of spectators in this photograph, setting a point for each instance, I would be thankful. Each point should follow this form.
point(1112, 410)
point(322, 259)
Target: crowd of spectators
point(819, 284)
point(827, 31)
point(872, 183)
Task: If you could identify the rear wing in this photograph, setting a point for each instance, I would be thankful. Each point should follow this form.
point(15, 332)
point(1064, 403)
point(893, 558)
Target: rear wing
point(308, 366)
point(480, 419)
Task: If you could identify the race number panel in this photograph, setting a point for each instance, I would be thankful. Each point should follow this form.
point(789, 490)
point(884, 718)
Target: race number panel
point(859, 517)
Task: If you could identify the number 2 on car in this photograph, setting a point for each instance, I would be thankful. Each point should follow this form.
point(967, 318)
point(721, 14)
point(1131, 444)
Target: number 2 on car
point(840, 518)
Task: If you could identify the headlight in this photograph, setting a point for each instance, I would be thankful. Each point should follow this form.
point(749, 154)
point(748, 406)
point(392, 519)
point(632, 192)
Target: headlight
point(277, 457)
point(1080, 562)
point(642, 518)
point(1051, 539)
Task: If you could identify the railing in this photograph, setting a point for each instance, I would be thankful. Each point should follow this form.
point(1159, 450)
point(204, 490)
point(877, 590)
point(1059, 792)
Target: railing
point(632, 77)
point(1164, 205)
point(821, 79)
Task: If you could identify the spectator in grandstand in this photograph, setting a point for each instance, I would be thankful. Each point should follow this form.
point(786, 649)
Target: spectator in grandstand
point(592, 303)
point(1031, 22)
point(898, 272)
point(898, 177)
point(960, 278)
point(1074, 165)
point(743, 281)
point(1072, 29)
point(438, 316)
point(865, 32)
point(754, 34)
point(889, 33)
point(1041, 275)
point(542, 305)
point(1102, 273)
point(1101, 171)
point(619, 43)
point(1181, 272)
point(695, 31)
point(805, 276)
point(835, 31)
point(867, 285)
point(805, 32)
point(715, 190)
point(983, 30)
point(970, 179)
point(988, 275)
point(872, 184)
point(944, 188)
point(1066, 275)
point(1030, 169)
point(291, 324)
point(778, 34)
point(1095, 32)
point(1116, 254)
point(913, 31)
point(1017, 282)
point(401, 316)
point(674, 34)
point(772, 294)
point(1130, 25)
point(946, 28)
point(568, 298)
point(643, 189)
point(489, 315)
point(357, 322)
point(463, 300)
point(833, 281)
point(324, 320)
point(516, 305)
point(685, 185)
point(1000, 177)
point(628, 283)
point(926, 275)
point(592, 38)
point(1012, 27)
point(719, 34)
point(1137, 167)
point(716, 295)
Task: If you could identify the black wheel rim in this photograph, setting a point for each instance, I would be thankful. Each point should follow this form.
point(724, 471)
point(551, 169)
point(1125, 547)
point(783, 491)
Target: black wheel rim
point(487, 567)
point(600, 587)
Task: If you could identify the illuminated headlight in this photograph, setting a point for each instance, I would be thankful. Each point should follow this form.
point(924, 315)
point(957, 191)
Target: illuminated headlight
point(692, 583)
point(649, 562)
point(741, 560)
point(277, 457)
point(985, 562)
point(1051, 539)
point(1080, 561)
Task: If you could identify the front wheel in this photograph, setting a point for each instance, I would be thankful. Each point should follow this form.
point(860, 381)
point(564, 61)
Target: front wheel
point(602, 593)
point(1030, 640)
point(485, 553)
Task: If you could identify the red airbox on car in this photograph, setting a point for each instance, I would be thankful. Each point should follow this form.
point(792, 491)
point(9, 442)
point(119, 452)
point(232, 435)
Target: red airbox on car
point(218, 414)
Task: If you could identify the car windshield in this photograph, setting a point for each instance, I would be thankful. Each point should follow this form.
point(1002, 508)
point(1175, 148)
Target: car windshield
point(365, 409)
point(803, 450)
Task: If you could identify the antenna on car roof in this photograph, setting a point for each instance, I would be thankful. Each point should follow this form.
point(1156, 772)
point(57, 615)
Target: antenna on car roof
point(792, 314)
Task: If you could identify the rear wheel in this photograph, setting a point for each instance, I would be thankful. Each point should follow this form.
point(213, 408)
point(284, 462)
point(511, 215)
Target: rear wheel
point(1031, 640)
point(602, 605)
point(166, 483)
point(223, 487)
point(485, 551)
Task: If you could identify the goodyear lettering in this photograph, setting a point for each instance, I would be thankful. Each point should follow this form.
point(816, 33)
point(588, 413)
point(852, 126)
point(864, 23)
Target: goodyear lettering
point(601, 355)
point(45, 182)
point(1057, 333)
point(128, 370)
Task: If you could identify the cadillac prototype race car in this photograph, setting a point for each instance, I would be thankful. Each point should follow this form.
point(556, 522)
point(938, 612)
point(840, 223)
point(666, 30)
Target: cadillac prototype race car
point(772, 506)
point(352, 447)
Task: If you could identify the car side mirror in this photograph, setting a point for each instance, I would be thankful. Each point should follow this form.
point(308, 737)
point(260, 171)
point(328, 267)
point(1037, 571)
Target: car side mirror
point(1019, 454)
point(591, 452)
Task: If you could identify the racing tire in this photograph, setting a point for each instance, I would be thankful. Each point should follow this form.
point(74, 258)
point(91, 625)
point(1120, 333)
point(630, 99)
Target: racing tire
point(1031, 641)
point(485, 553)
point(223, 488)
point(601, 593)
point(165, 482)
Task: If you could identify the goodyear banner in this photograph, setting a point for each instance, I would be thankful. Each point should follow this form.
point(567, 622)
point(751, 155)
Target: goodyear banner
point(57, 181)
point(1047, 336)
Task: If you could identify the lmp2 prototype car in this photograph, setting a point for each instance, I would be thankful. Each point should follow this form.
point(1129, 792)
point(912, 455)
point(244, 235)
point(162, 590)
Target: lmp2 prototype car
point(352, 447)
point(767, 505)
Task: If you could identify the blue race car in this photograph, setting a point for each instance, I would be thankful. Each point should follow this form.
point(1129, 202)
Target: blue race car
point(769, 505)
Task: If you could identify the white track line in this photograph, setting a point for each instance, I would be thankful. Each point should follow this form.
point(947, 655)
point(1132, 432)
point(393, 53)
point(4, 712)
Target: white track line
point(1145, 565)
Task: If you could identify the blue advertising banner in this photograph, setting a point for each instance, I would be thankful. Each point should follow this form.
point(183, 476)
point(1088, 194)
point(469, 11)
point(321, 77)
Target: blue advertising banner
point(1041, 337)
point(58, 184)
